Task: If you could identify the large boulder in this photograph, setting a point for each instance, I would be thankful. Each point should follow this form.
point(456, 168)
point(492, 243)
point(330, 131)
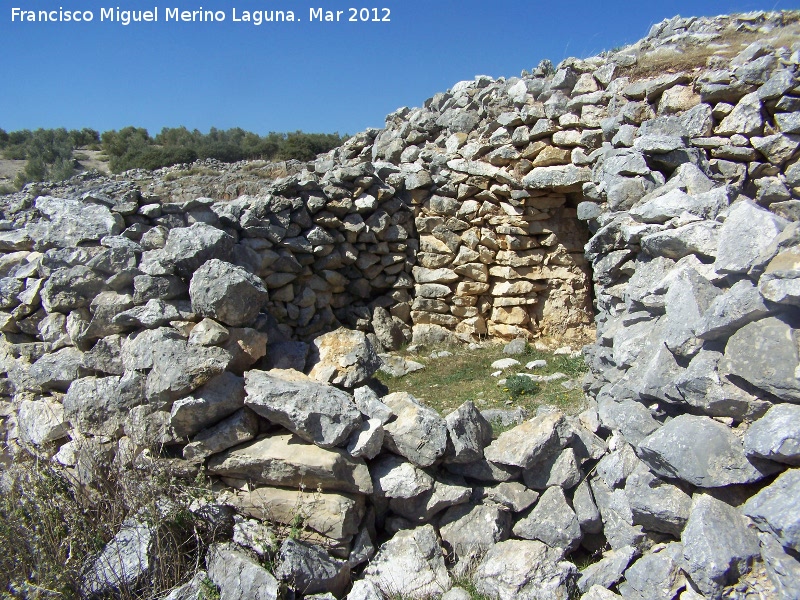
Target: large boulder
point(238, 575)
point(673, 451)
point(227, 293)
point(343, 357)
point(187, 248)
point(410, 565)
point(776, 435)
point(318, 413)
point(217, 399)
point(525, 570)
point(774, 509)
point(718, 547)
point(309, 569)
point(70, 223)
point(526, 444)
point(417, 433)
point(765, 354)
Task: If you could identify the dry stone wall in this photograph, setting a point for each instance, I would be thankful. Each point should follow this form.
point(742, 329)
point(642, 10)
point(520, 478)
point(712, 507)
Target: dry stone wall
point(133, 325)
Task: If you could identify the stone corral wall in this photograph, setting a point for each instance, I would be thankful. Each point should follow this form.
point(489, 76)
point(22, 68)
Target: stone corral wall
point(131, 323)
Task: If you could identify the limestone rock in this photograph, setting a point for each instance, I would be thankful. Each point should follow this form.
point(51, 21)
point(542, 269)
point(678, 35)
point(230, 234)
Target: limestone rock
point(238, 575)
point(226, 293)
point(99, 405)
point(607, 571)
point(321, 414)
point(470, 530)
point(344, 358)
point(309, 569)
point(655, 575)
point(764, 354)
point(702, 387)
point(718, 547)
point(394, 477)
point(671, 451)
point(331, 514)
point(656, 504)
point(418, 432)
point(556, 470)
point(783, 569)
point(240, 427)
point(552, 521)
point(124, 562)
point(366, 441)
point(69, 223)
point(469, 433)
point(728, 312)
point(510, 494)
point(776, 435)
point(287, 460)
point(219, 398)
point(746, 233)
point(410, 564)
point(630, 418)
point(586, 510)
point(71, 288)
point(615, 511)
point(774, 509)
point(188, 248)
point(447, 491)
point(530, 442)
point(41, 421)
point(57, 370)
point(525, 570)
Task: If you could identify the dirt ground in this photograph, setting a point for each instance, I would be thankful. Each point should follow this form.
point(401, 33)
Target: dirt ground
point(9, 170)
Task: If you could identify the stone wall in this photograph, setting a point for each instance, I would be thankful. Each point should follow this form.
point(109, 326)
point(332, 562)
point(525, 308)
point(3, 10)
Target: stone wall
point(130, 324)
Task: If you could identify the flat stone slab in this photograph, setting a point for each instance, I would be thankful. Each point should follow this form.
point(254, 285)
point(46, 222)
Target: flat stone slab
point(287, 460)
point(674, 451)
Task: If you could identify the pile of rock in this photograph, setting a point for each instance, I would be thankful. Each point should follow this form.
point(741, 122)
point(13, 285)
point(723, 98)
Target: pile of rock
point(209, 328)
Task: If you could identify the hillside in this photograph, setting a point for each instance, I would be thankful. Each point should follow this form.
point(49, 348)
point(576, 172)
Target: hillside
point(191, 354)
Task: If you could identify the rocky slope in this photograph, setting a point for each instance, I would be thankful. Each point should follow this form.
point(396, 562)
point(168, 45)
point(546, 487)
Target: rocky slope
point(133, 320)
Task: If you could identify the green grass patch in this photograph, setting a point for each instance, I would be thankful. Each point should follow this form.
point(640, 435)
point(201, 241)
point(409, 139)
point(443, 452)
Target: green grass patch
point(446, 383)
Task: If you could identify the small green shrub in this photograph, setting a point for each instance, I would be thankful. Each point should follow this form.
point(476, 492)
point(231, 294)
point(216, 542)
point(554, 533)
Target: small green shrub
point(518, 386)
point(208, 590)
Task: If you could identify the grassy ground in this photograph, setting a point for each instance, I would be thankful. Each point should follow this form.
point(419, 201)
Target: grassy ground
point(446, 383)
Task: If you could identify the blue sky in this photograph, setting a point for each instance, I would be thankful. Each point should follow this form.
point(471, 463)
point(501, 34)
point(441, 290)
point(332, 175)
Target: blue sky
point(317, 77)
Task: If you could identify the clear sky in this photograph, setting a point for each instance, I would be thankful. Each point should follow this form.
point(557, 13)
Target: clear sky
point(312, 76)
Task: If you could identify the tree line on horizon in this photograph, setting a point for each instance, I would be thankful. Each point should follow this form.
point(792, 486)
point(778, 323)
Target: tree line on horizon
point(50, 153)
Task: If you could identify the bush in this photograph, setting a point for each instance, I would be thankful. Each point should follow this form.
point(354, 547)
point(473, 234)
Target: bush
point(132, 148)
point(519, 385)
point(51, 526)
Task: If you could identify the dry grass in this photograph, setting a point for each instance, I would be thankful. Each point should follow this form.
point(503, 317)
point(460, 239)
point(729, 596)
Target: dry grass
point(198, 171)
point(726, 46)
point(448, 382)
point(51, 527)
